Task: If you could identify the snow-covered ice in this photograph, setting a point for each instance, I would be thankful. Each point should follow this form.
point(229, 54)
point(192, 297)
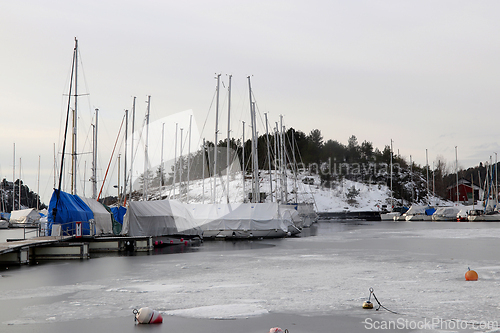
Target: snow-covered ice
point(416, 269)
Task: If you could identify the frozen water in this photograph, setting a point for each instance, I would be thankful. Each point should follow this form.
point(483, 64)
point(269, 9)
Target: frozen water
point(416, 269)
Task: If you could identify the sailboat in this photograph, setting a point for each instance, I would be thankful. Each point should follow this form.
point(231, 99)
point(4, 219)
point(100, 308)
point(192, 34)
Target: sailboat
point(490, 211)
point(70, 214)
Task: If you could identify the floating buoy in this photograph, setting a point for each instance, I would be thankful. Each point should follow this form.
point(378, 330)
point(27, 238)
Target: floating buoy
point(367, 305)
point(148, 316)
point(471, 275)
point(277, 330)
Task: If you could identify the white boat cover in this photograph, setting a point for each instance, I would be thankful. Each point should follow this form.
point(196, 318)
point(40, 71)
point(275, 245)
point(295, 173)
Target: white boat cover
point(447, 212)
point(242, 216)
point(27, 216)
point(102, 217)
point(158, 218)
point(416, 210)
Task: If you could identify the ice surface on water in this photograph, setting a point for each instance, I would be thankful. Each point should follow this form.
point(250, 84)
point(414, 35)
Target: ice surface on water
point(311, 275)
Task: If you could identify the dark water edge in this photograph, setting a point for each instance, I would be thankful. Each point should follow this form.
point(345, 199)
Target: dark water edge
point(334, 323)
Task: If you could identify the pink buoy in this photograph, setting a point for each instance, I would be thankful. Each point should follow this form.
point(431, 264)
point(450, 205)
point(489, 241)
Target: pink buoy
point(148, 316)
point(275, 330)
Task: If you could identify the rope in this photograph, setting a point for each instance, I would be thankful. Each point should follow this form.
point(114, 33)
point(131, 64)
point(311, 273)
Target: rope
point(110, 159)
point(470, 323)
point(380, 304)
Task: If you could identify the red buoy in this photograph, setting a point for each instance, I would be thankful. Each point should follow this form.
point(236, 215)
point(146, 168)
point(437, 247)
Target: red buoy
point(148, 316)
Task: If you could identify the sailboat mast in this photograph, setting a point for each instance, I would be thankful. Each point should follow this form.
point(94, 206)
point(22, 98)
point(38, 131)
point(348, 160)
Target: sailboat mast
point(243, 158)
point(203, 173)
point(55, 164)
point(295, 171)
point(269, 160)
point(161, 157)
point(118, 181)
point(37, 186)
point(427, 173)
point(94, 157)
point(228, 137)
point(132, 149)
point(19, 187)
point(125, 162)
point(175, 157)
point(496, 179)
point(280, 161)
point(75, 118)
point(180, 167)
point(189, 158)
point(283, 152)
point(255, 164)
point(14, 179)
point(456, 170)
point(215, 143)
point(146, 157)
point(392, 197)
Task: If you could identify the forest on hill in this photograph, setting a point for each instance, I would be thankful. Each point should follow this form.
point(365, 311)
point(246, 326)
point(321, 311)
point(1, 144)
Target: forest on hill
point(19, 196)
point(332, 160)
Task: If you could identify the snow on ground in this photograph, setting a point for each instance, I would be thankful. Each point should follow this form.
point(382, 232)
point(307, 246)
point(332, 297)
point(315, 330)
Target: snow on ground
point(370, 197)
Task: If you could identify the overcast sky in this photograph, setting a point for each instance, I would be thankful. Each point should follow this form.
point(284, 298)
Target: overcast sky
point(422, 73)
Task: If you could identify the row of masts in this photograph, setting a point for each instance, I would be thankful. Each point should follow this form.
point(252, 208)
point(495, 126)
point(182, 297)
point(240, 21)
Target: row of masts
point(255, 189)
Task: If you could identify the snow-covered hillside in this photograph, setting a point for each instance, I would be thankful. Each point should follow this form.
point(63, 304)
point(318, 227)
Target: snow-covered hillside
point(343, 195)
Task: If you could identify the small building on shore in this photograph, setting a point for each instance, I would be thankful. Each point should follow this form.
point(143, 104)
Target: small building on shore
point(466, 192)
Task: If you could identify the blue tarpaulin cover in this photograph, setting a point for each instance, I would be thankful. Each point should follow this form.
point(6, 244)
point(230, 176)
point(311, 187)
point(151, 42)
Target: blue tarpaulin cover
point(70, 208)
point(430, 211)
point(118, 213)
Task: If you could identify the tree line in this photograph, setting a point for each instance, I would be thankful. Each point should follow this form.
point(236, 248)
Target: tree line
point(332, 160)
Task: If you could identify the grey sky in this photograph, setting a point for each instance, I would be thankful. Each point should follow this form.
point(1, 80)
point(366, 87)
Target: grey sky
point(423, 73)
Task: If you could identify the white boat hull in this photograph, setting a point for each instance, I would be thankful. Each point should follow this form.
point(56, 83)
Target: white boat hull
point(389, 216)
point(415, 218)
point(484, 218)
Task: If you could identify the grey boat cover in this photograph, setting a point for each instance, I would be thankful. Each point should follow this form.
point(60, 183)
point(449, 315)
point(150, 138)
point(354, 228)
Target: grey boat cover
point(102, 217)
point(158, 218)
point(242, 216)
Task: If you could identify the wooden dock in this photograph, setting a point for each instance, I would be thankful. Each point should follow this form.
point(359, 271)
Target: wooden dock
point(20, 252)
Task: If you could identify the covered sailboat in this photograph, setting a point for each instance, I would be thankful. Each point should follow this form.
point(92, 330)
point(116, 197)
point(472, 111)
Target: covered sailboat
point(419, 213)
point(28, 216)
point(65, 210)
point(159, 218)
point(446, 213)
point(243, 220)
point(102, 217)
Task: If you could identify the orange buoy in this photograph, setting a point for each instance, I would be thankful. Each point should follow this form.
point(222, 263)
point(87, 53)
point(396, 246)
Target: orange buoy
point(471, 275)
